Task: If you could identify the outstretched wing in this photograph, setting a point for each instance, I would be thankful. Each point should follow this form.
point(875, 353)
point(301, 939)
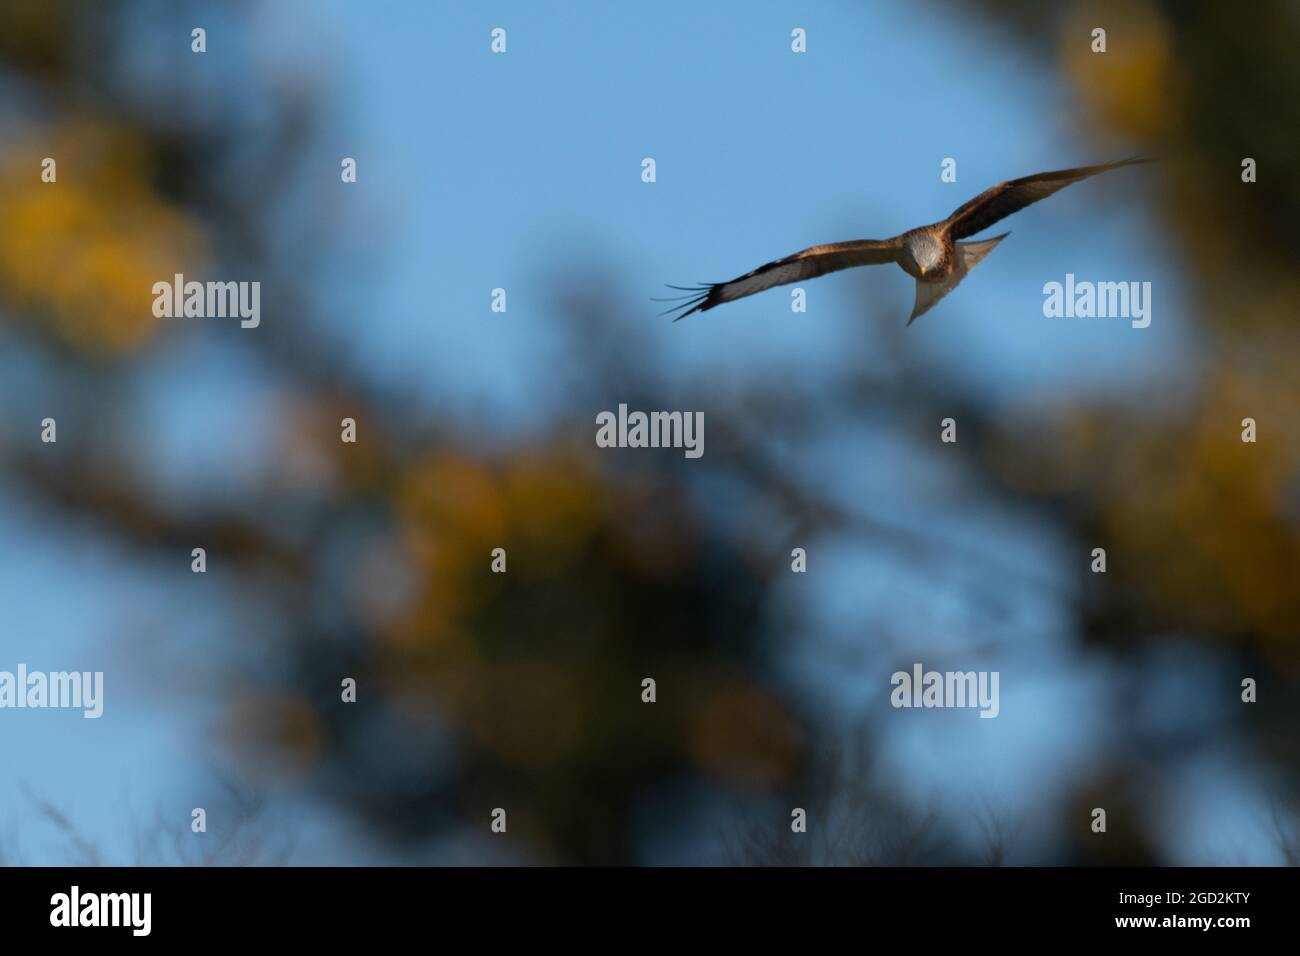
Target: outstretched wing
point(1002, 200)
point(807, 264)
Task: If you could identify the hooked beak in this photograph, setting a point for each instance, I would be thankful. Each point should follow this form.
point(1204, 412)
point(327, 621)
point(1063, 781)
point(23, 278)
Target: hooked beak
point(922, 270)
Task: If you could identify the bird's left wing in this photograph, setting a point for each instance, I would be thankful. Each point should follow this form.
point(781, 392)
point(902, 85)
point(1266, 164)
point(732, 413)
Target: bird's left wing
point(807, 264)
point(1002, 200)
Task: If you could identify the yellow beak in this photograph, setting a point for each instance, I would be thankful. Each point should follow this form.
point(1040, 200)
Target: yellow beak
point(922, 270)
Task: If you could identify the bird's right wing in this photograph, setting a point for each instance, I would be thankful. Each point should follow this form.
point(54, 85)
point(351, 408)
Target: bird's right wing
point(807, 264)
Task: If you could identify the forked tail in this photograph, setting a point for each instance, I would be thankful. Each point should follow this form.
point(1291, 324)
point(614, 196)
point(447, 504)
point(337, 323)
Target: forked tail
point(970, 254)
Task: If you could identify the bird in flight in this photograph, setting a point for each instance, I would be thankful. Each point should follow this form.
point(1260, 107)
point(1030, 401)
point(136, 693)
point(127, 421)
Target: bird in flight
point(930, 254)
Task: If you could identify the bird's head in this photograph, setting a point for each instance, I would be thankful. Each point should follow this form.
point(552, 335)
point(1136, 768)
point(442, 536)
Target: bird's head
point(925, 251)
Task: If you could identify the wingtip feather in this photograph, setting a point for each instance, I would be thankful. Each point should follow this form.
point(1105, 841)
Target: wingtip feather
point(697, 300)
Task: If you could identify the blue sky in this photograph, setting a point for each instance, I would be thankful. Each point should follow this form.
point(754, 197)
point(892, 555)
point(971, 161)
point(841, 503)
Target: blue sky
point(530, 162)
point(522, 171)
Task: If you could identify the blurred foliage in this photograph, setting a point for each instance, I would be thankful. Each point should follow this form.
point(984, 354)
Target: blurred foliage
point(522, 690)
point(81, 256)
point(1203, 530)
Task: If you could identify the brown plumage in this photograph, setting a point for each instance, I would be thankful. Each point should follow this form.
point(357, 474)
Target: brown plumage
point(930, 254)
